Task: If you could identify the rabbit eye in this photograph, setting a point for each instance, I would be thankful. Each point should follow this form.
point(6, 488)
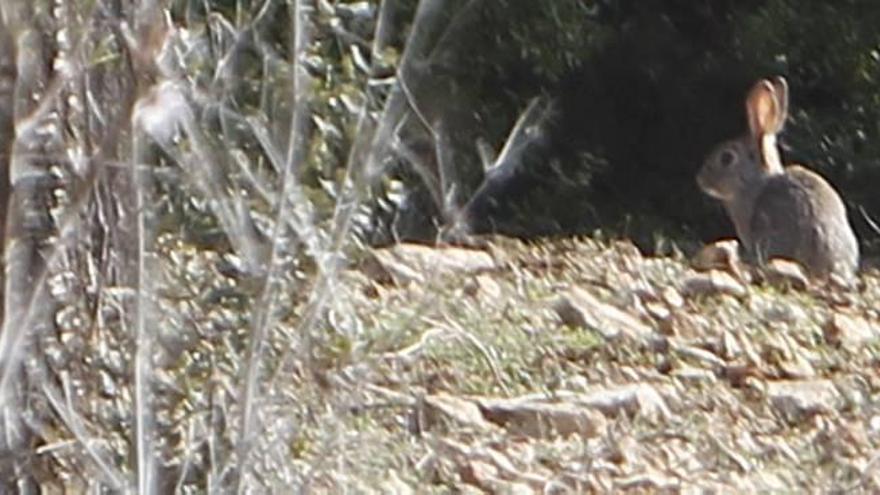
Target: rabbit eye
point(727, 158)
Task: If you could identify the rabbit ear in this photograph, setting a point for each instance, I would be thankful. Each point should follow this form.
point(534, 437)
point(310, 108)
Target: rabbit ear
point(780, 87)
point(763, 109)
point(766, 105)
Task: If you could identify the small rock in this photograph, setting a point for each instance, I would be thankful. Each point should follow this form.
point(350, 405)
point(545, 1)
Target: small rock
point(763, 481)
point(716, 255)
point(856, 391)
point(621, 450)
point(663, 316)
point(695, 375)
point(576, 382)
point(232, 266)
point(107, 385)
point(701, 355)
point(750, 350)
point(672, 297)
point(635, 398)
point(853, 437)
point(784, 273)
point(57, 356)
point(689, 326)
point(630, 297)
point(874, 424)
point(730, 347)
point(371, 290)
point(783, 351)
point(798, 399)
point(663, 365)
point(471, 288)
point(403, 263)
point(463, 412)
point(643, 291)
point(843, 282)
point(658, 311)
point(739, 374)
point(513, 488)
point(479, 473)
point(797, 368)
point(446, 259)
point(489, 469)
point(781, 312)
point(712, 283)
point(542, 420)
point(488, 287)
point(842, 296)
point(721, 255)
point(579, 308)
point(648, 483)
point(850, 331)
point(389, 271)
point(627, 249)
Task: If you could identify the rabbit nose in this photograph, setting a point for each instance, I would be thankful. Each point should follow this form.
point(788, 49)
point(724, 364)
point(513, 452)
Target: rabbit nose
point(701, 180)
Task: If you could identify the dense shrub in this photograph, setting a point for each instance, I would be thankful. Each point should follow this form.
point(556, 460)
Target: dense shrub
point(640, 91)
point(643, 90)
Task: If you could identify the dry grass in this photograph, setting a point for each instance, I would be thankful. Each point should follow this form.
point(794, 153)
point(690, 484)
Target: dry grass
point(190, 307)
point(693, 407)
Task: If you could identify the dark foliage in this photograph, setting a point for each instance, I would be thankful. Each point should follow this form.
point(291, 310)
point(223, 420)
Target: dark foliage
point(641, 90)
point(646, 88)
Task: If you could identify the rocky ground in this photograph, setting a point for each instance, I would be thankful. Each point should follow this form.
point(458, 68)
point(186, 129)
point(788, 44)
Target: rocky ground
point(583, 366)
point(560, 366)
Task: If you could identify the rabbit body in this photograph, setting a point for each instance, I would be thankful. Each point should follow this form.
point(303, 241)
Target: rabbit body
point(789, 212)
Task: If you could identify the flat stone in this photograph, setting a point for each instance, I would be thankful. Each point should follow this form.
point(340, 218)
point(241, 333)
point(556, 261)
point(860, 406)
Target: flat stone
point(544, 420)
point(579, 308)
point(716, 255)
point(797, 399)
point(695, 375)
point(658, 311)
point(479, 473)
point(648, 483)
point(783, 312)
point(402, 263)
point(701, 355)
point(488, 287)
point(462, 411)
point(785, 274)
point(637, 398)
point(713, 282)
point(850, 331)
point(797, 368)
point(721, 255)
point(672, 297)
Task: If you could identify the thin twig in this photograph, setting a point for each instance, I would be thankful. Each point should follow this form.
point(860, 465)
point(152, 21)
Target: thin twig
point(264, 312)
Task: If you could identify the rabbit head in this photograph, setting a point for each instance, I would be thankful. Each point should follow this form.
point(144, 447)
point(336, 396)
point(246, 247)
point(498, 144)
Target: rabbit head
point(737, 164)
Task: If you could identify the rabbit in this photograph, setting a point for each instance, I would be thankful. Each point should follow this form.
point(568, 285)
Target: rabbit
point(789, 212)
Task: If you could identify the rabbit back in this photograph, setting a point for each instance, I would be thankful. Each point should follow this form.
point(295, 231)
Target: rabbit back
point(798, 215)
